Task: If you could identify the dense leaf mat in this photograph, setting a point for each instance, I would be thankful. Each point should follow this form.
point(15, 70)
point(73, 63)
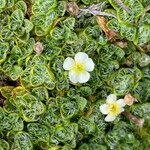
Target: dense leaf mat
point(40, 107)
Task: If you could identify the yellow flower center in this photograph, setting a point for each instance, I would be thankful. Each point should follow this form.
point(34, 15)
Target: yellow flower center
point(114, 109)
point(78, 67)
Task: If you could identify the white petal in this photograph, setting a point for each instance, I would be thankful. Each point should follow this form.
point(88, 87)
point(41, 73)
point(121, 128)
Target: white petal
point(83, 77)
point(111, 98)
point(89, 64)
point(104, 109)
point(122, 109)
point(68, 63)
point(73, 76)
point(121, 102)
point(109, 118)
point(81, 56)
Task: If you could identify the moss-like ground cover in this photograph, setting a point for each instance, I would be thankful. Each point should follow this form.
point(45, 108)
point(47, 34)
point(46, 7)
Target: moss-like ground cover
point(44, 106)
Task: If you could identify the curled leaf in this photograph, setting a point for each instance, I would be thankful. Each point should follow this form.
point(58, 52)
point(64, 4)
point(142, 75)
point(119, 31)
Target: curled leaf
point(136, 120)
point(103, 24)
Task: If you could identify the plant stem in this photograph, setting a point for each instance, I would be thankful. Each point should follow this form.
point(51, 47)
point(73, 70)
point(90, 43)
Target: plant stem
point(122, 5)
point(95, 10)
point(136, 120)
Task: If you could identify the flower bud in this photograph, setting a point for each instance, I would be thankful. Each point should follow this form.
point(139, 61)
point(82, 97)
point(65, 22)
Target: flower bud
point(72, 8)
point(38, 48)
point(129, 99)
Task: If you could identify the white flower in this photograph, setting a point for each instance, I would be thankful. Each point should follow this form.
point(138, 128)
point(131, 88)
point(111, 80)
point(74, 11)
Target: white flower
point(112, 108)
point(79, 67)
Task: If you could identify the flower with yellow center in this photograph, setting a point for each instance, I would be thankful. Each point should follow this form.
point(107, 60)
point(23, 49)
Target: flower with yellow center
point(112, 108)
point(79, 67)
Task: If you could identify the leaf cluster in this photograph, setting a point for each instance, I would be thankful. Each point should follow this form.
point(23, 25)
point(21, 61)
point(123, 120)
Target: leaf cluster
point(41, 108)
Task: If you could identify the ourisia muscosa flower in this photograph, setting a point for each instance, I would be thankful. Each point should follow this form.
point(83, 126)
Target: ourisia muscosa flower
point(112, 108)
point(79, 67)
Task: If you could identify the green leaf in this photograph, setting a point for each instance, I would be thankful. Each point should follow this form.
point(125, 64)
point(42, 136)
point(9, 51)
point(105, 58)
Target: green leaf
point(39, 133)
point(87, 126)
point(114, 25)
point(39, 59)
point(145, 20)
point(122, 82)
point(7, 33)
point(102, 40)
point(115, 137)
point(142, 110)
point(49, 21)
point(106, 69)
point(39, 31)
point(38, 19)
point(16, 122)
point(2, 113)
point(135, 6)
point(94, 31)
point(7, 65)
point(22, 141)
point(145, 71)
point(11, 122)
point(37, 77)
point(144, 60)
point(41, 93)
point(57, 33)
point(15, 25)
point(17, 15)
point(45, 6)
point(86, 2)
point(28, 25)
point(70, 36)
point(114, 4)
point(51, 51)
point(69, 22)
point(19, 31)
point(134, 57)
point(135, 11)
point(69, 109)
point(143, 34)
point(142, 90)
point(145, 3)
point(4, 145)
point(10, 3)
point(6, 91)
point(66, 134)
point(84, 147)
point(25, 78)
point(9, 107)
point(128, 31)
point(111, 52)
point(27, 49)
point(85, 91)
point(82, 102)
point(15, 72)
point(16, 51)
point(4, 47)
point(49, 80)
point(51, 116)
point(32, 108)
point(61, 8)
point(24, 38)
point(2, 3)
point(125, 17)
point(22, 6)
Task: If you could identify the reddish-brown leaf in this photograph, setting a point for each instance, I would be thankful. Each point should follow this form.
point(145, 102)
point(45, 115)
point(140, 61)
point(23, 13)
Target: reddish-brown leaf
point(103, 24)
